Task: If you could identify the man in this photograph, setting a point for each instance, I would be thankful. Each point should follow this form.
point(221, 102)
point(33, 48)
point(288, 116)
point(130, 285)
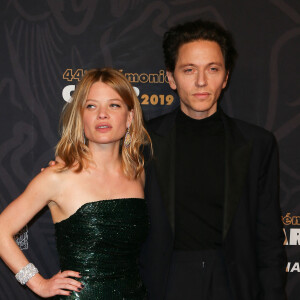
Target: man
point(212, 186)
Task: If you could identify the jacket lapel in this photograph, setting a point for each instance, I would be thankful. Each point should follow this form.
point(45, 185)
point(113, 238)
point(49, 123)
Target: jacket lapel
point(237, 157)
point(163, 139)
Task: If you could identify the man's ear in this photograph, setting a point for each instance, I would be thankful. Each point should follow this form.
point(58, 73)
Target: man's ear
point(226, 80)
point(171, 80)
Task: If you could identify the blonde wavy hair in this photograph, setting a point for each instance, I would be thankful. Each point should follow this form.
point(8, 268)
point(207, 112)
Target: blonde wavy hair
point(73, 146)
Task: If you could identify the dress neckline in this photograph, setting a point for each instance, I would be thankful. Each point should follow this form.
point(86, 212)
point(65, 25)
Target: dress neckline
point(96, 202)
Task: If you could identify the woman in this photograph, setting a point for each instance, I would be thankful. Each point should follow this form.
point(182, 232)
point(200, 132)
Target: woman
point(95, 195)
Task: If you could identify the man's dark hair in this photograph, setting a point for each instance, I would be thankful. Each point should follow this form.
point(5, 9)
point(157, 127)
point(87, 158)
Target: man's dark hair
point(197, 30)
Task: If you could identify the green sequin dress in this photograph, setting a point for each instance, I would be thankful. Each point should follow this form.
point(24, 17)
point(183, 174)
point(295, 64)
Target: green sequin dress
point(102, 241)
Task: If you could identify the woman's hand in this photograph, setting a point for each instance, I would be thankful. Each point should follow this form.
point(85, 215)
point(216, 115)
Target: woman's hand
point(59, 284)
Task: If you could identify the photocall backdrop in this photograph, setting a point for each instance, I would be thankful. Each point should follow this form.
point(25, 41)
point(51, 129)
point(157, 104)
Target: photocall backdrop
point(47, 45)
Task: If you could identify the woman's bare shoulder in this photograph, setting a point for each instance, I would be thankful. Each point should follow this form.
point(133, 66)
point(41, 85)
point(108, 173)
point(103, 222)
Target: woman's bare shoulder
point(53, 174)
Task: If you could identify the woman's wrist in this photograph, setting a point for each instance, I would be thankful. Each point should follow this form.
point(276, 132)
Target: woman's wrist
point(36, 283)
point(26, 273)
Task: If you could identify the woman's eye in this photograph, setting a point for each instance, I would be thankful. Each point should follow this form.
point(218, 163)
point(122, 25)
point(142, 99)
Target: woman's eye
point(90, 106)
point(115, 105)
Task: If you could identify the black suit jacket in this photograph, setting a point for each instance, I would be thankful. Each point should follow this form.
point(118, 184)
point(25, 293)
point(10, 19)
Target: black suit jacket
point(252, 229)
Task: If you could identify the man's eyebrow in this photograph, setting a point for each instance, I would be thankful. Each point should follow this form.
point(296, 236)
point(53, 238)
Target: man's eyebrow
point(187, 65)
point(216, 63)
point(194, 65)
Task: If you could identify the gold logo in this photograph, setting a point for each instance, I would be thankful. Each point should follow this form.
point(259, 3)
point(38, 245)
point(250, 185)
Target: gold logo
point(290, 220)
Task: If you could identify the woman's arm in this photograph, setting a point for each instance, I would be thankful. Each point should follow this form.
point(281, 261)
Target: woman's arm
point(38, 193)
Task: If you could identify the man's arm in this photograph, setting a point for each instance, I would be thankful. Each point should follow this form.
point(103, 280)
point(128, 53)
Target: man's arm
point(269, 233)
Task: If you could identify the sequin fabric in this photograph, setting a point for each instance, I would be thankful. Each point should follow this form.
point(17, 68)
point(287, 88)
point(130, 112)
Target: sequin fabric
point(102, 241)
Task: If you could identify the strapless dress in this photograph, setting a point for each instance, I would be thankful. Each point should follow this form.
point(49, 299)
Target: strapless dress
point(102, 241)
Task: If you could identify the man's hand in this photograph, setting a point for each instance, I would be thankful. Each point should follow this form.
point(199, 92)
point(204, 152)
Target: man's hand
point(53, 163)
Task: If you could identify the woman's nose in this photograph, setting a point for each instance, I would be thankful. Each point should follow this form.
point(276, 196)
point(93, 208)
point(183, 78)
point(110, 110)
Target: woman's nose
point(102, 113)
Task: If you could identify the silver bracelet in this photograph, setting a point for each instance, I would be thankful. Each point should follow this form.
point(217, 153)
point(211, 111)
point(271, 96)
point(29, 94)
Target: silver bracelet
point(26, 273)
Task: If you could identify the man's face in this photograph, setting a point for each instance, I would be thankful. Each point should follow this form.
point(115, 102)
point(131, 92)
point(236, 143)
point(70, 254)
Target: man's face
point(199, 77)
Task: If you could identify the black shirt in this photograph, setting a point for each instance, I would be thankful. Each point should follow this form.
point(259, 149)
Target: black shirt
point(200, 169)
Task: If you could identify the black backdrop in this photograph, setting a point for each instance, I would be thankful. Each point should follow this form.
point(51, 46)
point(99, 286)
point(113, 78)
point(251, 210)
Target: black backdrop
point(46, 45)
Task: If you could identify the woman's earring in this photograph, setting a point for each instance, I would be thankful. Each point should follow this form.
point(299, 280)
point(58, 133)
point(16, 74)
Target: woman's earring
point(127, 138)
